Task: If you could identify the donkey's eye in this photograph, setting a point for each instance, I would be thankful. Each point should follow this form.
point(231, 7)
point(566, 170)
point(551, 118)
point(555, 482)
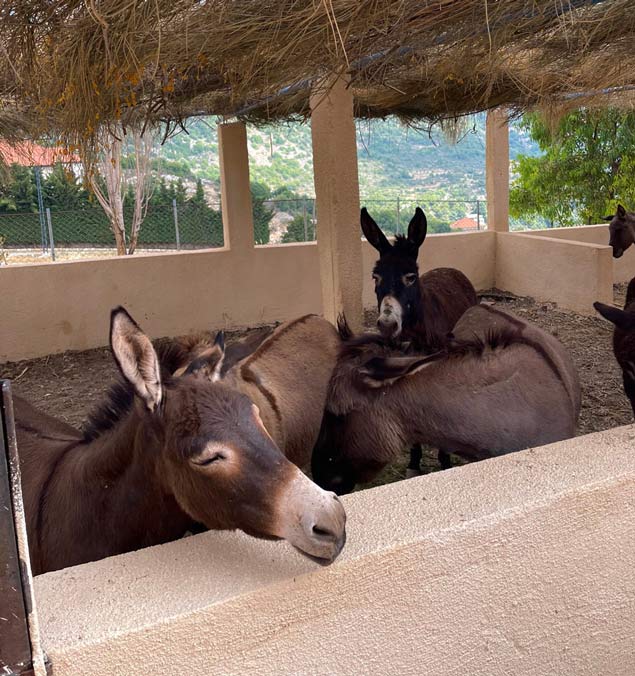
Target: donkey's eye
point(410, 278)
point(377, 279)
point(209, 460)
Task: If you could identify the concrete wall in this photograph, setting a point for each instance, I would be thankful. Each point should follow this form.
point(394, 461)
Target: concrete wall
point(52, 307)
point(623, 268)
point(572, 274)
point(522, 565)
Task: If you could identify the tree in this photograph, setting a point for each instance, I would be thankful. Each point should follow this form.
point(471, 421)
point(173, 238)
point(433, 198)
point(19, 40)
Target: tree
point(111, 189)
point(21, 191)
point(262, 214)
point(587, 167)
point(296, 232)
point(62, 190)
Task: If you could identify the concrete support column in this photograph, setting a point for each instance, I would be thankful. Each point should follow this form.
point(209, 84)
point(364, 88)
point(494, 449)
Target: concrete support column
point(238, 221)
point(497, 170)
point(337, 196)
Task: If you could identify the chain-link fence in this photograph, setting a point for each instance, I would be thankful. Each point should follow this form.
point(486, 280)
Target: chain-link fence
point(86, 233)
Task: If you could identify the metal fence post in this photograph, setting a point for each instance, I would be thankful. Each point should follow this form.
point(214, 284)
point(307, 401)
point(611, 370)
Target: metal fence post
point(478, 214)
point(313, 221)
point(175, 211)
point(20, 649)
point(51, 240)
point(306, 234)
point(40, 207)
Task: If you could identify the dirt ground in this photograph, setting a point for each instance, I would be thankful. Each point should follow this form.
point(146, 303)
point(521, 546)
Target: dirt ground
point(69, 385)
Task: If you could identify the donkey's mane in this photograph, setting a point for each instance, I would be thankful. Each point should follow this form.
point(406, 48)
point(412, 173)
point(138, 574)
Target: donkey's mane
point(120, 396)
point(116, 404)
point(494, 338)
point(403, 246)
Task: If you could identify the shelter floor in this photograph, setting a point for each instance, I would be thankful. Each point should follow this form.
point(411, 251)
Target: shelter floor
point(70, 384)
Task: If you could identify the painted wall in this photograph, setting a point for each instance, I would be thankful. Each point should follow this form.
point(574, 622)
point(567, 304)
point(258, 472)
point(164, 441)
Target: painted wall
point(572, 274)
point(53, 307)
point(520, 565)
point(623, 268)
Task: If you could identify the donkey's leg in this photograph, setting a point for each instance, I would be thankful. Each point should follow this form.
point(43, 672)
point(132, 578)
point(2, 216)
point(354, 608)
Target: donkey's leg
point(444, 459)
point(414, 466)
point(629, 388)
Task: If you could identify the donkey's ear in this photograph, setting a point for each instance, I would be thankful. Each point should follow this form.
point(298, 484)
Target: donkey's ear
point(623, 320)
point(382, 371)
point(373, 233)
point(136, 357)
point(209, 364)
point(418, 228)
point(621, 211)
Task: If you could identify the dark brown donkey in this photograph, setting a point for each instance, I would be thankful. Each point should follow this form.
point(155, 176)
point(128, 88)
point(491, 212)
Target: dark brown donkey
point(421, 310)
point(503, 386)
point(623, 338)
point(621, 230)
point(162, 453)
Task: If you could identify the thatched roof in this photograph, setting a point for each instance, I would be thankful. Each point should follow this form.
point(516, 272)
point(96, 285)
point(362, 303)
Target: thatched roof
point(75, 64)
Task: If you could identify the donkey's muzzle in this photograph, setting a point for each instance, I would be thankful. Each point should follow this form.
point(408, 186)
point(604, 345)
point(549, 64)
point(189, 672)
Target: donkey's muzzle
point(390, 317)
point(313, 520)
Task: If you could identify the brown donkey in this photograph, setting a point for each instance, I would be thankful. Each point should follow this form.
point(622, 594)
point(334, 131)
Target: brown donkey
point(162, 453)
point(419, 309)
point(423, 309)
point(621, 230)
point(504, 385)
point(623, 338)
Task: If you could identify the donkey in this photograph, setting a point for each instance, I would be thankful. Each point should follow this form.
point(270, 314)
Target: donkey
point(164, 452)
point(623, 338)
point(423, 309)
point(503, 385)
point(621, 230)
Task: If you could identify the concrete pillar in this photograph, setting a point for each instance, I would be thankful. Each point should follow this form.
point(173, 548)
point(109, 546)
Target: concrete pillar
point(337, 196)
point(497, 170)
point(238, 221)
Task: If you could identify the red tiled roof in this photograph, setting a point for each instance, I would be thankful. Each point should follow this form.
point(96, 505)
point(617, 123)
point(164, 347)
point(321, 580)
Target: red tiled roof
point(464, 224)
point(29, 154)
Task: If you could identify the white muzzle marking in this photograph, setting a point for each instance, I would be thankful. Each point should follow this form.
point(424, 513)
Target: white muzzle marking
point(390, 316)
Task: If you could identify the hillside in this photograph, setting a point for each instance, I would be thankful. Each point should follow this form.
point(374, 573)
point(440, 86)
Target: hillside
point(393, 160)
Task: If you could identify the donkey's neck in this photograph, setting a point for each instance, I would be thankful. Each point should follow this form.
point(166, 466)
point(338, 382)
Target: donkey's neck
point(109, 497)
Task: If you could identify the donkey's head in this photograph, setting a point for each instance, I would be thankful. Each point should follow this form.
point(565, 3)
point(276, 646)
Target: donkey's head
point(361, 425)
point(621, 230)
point(214, 454)
point(396, 273)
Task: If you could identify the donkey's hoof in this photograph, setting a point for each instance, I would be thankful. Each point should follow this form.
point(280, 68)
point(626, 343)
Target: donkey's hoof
point(410, 473)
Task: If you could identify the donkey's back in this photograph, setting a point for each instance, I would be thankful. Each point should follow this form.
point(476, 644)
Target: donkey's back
point(288, 378)
point(446, 294)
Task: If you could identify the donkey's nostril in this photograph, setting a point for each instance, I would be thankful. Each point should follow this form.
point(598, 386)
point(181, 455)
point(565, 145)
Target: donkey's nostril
point(322, 532)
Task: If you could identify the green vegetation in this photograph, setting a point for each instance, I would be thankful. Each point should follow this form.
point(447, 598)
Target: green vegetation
point(587, 167)
point(394, 162)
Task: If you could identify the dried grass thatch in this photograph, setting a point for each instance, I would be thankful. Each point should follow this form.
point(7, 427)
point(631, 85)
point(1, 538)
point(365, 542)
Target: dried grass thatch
point(76, 64)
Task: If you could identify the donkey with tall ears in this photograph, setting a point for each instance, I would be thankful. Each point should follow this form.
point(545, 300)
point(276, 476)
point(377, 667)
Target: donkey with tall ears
point(419, 310)
point(163, 453)
point(621, 230)
point(623, 338)
point(423, 309)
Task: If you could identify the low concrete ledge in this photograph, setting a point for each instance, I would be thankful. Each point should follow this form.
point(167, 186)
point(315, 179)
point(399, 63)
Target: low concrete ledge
point(523, 564)
point(570, 273)
point(623, 268)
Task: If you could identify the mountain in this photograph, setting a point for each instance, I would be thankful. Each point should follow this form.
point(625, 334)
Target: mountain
point(393, 159)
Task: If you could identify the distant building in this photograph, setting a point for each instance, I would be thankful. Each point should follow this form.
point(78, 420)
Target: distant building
point(28, 154)
point(464, 224)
